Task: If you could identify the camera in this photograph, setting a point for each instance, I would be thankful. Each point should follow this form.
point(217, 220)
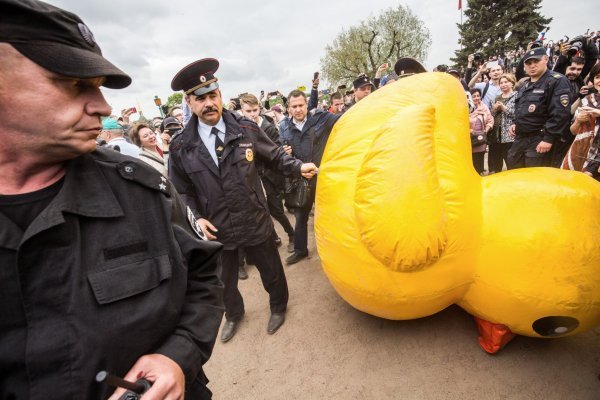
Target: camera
point(236, 103)
point(478, 58)
point(576, 46)
point(535, 44)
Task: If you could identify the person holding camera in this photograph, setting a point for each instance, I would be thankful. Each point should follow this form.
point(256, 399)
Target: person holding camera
point(541, 113)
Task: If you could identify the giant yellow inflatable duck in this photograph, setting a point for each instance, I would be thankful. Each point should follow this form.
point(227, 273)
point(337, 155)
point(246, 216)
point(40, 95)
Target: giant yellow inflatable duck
point(405, 227)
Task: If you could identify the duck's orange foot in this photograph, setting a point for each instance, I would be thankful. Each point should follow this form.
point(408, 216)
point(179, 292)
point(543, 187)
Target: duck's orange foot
point(492, 337)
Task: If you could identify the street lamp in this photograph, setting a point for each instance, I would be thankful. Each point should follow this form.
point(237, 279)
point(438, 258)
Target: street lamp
point(158, 103)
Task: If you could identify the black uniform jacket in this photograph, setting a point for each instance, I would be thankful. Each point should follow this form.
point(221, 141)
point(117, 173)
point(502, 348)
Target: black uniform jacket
point(543, 106)
point(109, 271)
point(230, 196)
point(273, 176)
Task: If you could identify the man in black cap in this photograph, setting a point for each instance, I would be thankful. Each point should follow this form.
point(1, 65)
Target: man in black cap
point(101, 270)
point(213, 167)
point(362, 87)
point(541, 112)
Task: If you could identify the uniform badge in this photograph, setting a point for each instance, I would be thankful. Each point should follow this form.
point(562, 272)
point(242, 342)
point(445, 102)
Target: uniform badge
point(249, 155)
point(564, 100)
point(194, 224)
point(531, 107)
point(202, 78)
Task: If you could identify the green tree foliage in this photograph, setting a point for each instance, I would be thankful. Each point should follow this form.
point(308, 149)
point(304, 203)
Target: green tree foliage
point(394, 33)
point(175, 98)
point(494, 27)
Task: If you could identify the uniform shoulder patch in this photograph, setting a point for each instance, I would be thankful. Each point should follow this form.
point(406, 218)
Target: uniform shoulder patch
point(564, 100)
point(194, 224)
point(144, 175)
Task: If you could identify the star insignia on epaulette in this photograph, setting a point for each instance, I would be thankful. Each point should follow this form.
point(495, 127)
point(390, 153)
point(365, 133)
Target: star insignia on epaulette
point(162, 186)
point(556, 76)
point(162, 178)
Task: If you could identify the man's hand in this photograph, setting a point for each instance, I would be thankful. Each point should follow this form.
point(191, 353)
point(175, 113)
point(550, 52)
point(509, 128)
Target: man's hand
point(168, 381)
point(511, 131)
point(470, 60)
point(207, 227)
point(315, 83)
point(166, 138)
point(543, 147)
point(381, 70)
point(308, 170)
point(287, 149)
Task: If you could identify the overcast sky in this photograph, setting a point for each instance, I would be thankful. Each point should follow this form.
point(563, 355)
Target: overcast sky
point(261, 45)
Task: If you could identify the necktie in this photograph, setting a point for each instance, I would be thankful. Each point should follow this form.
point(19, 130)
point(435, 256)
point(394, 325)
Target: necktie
point(219, 146)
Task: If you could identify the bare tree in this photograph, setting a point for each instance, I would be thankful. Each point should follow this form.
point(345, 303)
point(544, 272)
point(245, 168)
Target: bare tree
point(394, 33)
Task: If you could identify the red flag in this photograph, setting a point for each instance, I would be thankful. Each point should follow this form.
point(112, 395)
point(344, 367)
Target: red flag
point(460, 4)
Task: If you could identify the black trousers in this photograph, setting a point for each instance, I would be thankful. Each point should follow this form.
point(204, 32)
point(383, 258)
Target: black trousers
point(559, 150)
point(275, 204)
point(522, 153)
point(271, 272)
point(494, 157)
point(498, 155)
point(478, 161)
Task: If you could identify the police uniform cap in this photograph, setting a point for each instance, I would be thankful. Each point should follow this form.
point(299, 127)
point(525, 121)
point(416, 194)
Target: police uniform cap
point(538, 53)
point(56, 40)
point(408, 66)
point(361, 81)
point(197, 78)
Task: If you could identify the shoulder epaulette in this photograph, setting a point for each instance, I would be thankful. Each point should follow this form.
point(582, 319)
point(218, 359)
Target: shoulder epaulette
point(144, 175)
point(556, 75)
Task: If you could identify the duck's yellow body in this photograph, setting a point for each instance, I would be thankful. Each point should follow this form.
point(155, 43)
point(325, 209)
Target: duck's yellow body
point(405, 227)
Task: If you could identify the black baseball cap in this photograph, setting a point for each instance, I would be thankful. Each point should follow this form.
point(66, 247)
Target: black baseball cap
point(56, 40)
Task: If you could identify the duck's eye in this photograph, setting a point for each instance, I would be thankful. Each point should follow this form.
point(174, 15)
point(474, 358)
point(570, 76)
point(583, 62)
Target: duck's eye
point(555, 326)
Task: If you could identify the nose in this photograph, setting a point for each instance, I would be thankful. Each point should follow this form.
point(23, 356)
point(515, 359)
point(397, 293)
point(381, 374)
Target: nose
point(555, 326)
point(96, 103)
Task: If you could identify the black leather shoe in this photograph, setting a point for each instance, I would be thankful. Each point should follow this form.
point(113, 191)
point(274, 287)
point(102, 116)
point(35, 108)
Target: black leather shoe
point(275, 322)
point(229, 330)
point(242, 274)
point(294, 258)
point(290, 247)
point(278, 241)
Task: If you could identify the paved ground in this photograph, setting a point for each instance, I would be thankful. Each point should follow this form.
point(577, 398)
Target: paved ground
point(328, 350)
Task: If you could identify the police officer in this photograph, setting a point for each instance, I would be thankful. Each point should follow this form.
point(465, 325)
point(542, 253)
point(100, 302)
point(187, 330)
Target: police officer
point(541, 113)
point(213, 167)
point(100, 268)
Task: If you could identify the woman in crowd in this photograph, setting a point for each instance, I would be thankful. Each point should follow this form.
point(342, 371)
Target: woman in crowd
point(480, 122)
point(586, 145)
point(504, 114)
point(144, 137)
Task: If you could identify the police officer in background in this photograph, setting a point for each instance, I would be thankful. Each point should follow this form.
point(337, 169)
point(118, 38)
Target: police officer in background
point(100, 268)
point(213, 167)
point(541, 113)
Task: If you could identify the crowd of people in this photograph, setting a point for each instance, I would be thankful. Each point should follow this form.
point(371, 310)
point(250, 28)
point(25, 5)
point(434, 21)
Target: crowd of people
point(146, 226)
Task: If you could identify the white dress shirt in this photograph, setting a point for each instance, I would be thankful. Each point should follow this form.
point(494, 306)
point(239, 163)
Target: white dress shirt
point(208, 139)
